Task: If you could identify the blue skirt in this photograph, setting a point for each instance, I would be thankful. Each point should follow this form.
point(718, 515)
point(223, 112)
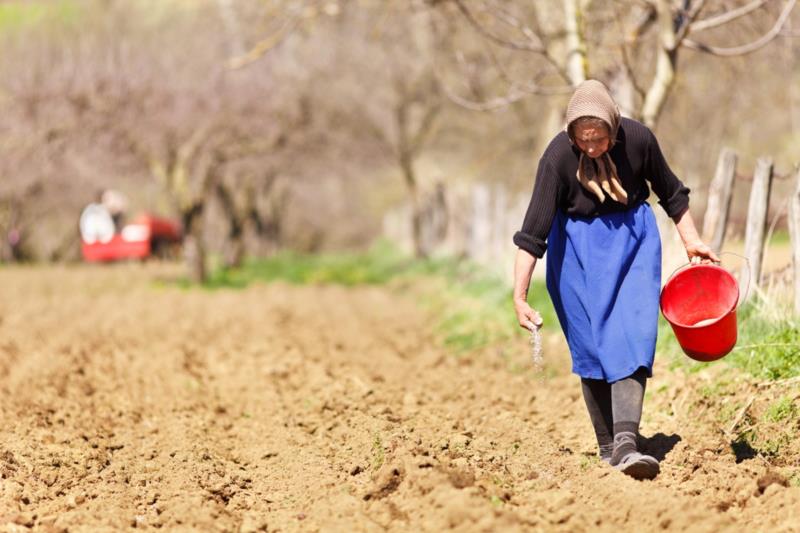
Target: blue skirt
point(604, 277)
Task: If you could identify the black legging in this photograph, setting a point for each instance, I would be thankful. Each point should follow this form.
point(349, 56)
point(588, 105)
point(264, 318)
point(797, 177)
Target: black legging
point(615, 407)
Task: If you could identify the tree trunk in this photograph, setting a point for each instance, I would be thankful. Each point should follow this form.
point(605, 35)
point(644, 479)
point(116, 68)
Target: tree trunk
point(265, 231)
point(234, 243)
point(10, 235)
point(410, 177)
point(193, 245)
point(234, 252)
point(577, 64)
point(665, 66)
point(14, 247)
point(420, 251)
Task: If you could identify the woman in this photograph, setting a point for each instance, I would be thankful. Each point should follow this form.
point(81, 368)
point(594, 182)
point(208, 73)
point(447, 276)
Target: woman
point(589, 211)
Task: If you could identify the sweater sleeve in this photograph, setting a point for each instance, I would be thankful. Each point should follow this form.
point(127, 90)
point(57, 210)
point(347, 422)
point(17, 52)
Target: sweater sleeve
point(541, 211)
point(672, 194)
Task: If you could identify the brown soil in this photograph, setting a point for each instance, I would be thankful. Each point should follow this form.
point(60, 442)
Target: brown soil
point(129, 404)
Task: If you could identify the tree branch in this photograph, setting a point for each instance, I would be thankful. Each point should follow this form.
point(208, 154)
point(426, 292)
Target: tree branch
point(665, 65)
point(645, 22)
point(745, 48)
point(493, 37)
point(533, 35)
point(724, 18)
point(263, 46)
point(577, 64)
point(628, 46)
point(685, 27)
point(515, 94)
point(505, 16)
point(425, 127)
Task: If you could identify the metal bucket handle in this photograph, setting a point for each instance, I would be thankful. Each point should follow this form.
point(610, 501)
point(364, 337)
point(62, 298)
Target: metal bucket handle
point(746, 261)
point(749, 274)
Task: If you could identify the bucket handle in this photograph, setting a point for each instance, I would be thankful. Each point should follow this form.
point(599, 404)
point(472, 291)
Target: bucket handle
point(746, 261)
point(749, 270)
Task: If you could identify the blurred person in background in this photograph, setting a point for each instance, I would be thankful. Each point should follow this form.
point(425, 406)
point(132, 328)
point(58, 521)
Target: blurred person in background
point(104, 217)
point(117, 205)
point(589, 211)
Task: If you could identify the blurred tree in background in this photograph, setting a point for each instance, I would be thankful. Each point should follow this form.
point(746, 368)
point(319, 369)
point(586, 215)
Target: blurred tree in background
point(271, 124)
point(634, 45)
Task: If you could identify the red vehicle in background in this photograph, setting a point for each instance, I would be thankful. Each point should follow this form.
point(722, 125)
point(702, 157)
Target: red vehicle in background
point(145, 236)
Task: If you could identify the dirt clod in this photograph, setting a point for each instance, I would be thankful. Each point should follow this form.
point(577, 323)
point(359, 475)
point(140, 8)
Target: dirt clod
point(387, 481)
point(771, 478)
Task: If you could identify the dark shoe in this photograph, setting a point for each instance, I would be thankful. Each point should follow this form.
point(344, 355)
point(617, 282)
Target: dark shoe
point(638, 466)
point(627, 459)
point(625, 443)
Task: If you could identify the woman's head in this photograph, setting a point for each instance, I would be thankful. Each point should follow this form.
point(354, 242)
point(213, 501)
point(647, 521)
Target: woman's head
point(591, 135)
point(592, 118)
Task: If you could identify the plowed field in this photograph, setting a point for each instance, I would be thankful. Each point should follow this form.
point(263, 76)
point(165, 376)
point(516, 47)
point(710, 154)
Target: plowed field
point(126, 403)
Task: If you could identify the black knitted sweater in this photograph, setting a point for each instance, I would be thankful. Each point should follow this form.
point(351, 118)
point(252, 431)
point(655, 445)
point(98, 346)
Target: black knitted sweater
point(639, 161)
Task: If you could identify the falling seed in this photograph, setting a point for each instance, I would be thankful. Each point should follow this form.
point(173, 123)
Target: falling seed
point(536, 346)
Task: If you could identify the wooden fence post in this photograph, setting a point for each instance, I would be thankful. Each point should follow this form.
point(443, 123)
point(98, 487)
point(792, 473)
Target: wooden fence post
point(757, 219)
point(720, 192)
point(794, 237)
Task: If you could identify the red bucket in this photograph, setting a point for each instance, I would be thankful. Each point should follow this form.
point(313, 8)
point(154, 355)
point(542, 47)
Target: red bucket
point(699, 302)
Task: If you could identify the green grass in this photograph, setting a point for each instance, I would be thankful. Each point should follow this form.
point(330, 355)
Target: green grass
point(769, 447)
point(768, 344)
point(378, 455)
point(473, 306)
point(780, 410)
point(341, 269)
point(22, 15)
point(496, 501)
point(474, 310)
point(780, 237)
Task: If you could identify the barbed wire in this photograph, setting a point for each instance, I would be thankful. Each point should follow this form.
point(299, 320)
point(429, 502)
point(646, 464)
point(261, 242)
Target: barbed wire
point(775, 176)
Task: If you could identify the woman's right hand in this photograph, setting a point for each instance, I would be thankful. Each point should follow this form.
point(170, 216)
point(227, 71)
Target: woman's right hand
point(526, 314)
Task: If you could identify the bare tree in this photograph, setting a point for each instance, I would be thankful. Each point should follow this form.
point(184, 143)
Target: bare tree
point(416, 107)
point(121, 98)
point(380, 76)
point(254, 203)
point(54, 155)
point(298, 120)
point(656, 29)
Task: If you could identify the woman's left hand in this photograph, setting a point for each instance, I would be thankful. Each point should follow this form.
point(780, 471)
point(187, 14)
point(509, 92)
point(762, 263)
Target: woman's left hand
point(699, 252)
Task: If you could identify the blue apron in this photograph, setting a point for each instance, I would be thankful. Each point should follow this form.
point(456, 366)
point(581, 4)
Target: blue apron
point(604, 277)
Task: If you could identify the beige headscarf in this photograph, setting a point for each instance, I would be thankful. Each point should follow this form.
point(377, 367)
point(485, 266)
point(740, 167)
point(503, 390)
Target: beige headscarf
point(599, 176)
